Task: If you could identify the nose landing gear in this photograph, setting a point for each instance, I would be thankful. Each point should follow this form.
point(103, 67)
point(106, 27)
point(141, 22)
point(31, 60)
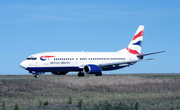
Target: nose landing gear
point(36, 76)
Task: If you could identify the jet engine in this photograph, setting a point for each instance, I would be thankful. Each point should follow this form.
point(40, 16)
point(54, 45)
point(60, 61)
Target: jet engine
point(92, 69)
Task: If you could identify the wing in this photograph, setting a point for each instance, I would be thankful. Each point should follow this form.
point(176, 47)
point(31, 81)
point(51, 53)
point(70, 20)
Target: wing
point(126, 63)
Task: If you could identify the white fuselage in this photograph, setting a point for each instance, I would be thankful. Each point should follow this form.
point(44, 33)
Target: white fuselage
point(73, 61)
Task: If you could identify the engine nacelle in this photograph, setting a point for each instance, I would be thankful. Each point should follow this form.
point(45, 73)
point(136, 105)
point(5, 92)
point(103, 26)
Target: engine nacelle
point(59, 73)
point(92, 69)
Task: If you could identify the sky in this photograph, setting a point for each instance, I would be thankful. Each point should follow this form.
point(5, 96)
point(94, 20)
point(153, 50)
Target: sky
point(34, 26)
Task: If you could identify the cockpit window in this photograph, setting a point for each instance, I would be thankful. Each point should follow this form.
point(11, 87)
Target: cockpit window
point(28, 58)
point(34, 58)
point(31, 58)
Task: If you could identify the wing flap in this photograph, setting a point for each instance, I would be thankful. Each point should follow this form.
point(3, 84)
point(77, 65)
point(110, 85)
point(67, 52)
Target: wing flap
point(126, 63)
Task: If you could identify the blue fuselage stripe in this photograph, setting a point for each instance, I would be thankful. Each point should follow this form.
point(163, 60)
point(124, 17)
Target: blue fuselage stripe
point(66, 69)
point(53, 69)
point(113, 68)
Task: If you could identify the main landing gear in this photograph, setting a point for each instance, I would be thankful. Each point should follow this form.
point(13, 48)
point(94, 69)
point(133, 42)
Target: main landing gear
point(80, 74)
point(98, 74)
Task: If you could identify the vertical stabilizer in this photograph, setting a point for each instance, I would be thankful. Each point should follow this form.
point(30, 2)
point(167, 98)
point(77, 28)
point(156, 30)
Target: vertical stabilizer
point(134, 46)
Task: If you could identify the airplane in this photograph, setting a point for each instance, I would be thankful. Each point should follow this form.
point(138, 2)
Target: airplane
point(60, 63)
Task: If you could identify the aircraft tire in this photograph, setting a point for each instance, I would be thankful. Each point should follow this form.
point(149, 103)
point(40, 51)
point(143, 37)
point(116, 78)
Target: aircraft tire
point(98, 74)
point(80, 74)
point(36, 76)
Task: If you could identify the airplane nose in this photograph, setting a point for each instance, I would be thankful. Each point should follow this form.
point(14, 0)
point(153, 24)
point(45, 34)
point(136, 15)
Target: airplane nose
point(23, 64)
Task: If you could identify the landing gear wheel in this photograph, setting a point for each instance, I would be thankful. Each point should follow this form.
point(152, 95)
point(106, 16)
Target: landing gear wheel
point(98, 74)
point(36, 76)
point(80, 74)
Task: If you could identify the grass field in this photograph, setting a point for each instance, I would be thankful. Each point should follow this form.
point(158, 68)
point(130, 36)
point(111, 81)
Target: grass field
point(132, 91)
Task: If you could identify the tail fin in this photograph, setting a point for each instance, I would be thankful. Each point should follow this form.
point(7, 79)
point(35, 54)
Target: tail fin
point(134, 46)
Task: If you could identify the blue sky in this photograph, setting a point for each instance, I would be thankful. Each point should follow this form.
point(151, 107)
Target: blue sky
point(28, 27)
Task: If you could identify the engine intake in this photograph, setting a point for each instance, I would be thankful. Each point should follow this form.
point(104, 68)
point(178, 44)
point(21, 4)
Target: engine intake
point(92, 69)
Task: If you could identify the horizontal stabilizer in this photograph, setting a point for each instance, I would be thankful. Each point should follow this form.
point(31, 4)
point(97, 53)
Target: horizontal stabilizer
point(150, 53)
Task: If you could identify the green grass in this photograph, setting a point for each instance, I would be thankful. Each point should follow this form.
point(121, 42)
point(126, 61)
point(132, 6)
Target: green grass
point(167, 75)
point(69, 92)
